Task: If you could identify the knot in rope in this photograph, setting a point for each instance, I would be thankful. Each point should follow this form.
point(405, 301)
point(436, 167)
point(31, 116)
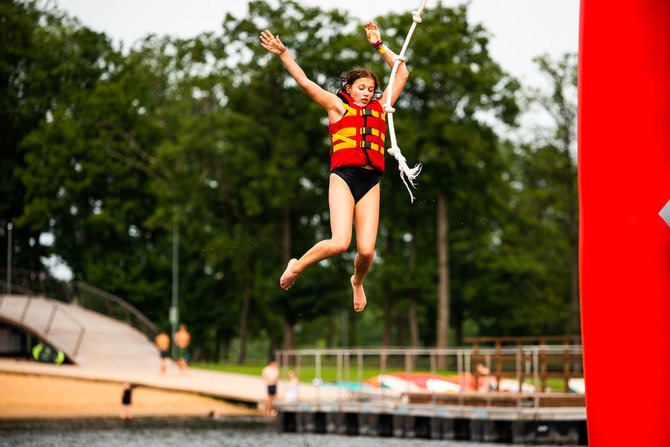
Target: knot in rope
point(395, 152)
point(388, 109)
point(416, 15)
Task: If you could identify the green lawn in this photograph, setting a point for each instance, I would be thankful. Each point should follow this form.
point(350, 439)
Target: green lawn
point(308, 372)
point(329, 372)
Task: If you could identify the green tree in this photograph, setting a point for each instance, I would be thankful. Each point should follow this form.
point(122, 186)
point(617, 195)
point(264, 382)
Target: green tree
point(47, 62)
point(561, 105)
point(530, 271)
point(453, 82)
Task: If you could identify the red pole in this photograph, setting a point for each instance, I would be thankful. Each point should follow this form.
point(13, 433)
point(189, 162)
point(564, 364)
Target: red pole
point(624, 182)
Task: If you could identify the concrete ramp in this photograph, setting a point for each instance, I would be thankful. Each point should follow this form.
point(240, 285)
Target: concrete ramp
point(86, 337)
point(105, 349)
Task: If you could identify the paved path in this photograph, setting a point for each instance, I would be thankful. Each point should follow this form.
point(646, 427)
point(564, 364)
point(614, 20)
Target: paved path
point(113, 351)
point(237, 387)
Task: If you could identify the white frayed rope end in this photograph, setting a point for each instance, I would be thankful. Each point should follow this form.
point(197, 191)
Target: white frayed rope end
point(407, 174)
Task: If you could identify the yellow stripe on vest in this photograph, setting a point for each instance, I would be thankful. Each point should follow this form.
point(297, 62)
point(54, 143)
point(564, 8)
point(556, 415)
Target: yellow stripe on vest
point(363, 144)
point(343, 135)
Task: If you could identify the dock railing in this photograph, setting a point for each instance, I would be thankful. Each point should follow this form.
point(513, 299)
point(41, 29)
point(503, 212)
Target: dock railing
point(556, 358)
point(522, 365)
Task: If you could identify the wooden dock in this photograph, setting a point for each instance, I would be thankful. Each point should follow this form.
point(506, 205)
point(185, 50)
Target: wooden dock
point(494, 399)
point(551, 425)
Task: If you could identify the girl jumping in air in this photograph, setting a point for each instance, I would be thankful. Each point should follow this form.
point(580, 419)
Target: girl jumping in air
point(357, 131)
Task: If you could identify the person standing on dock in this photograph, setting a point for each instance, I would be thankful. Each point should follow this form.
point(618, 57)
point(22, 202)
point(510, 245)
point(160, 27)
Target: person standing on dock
point(182, 339)
point(291, 394)
point(271, 376)
point(163, 344)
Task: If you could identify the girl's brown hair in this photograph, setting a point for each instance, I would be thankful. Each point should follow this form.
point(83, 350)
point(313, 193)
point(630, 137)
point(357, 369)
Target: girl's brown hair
point(351, 76)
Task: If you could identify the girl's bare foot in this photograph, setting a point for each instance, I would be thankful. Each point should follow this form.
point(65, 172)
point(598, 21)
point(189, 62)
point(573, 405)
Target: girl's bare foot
point(359, 296)
point(288, 277)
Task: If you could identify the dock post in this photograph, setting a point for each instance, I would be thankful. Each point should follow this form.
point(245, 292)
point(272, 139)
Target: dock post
point(333, 419)
point(350, 424)
point(367, 421)
point(441, 425)
point(422, 427)
point(548, 432)
point(486, 430)
point(319, 422)
point(286, 422)
point(461, 429)
point(401, 422)
point(308, 420)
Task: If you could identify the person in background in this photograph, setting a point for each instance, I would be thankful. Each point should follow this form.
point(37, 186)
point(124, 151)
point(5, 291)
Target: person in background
point(163, 344)
point(47, 354)
point(485, 382)
point(127, 401)
point(291, 394)
point(182, 339)
point(270, 375)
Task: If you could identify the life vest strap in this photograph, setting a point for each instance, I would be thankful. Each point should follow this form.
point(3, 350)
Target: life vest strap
point(352, 111)
point(373, 131)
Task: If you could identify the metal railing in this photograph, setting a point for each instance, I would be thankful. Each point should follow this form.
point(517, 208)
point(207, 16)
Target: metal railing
point(29, 282)
point(98, 300)
point(44, 332)
point(526, 367)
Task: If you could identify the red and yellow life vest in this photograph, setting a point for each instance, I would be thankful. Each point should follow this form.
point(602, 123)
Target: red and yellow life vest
point(358, 137)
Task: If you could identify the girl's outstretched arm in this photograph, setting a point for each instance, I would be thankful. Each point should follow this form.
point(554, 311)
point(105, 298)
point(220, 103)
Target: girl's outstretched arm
point(401, 74)
point(325, 99)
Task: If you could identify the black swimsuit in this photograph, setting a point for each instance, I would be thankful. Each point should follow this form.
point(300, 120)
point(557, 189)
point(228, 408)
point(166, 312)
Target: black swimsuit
point(359, 179)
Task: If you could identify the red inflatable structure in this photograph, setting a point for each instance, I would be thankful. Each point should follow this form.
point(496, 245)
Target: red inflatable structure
point(624, 187)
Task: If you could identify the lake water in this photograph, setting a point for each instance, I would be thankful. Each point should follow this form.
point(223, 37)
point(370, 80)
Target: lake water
point(186, 432)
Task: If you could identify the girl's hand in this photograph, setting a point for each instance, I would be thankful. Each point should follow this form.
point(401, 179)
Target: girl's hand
point(372, 32)
point(272, 43)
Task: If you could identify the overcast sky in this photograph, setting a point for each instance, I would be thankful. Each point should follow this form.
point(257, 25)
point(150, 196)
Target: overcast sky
point(522, 29)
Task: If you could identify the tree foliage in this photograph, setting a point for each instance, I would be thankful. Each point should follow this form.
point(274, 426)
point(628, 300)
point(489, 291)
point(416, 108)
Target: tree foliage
point(110, 152)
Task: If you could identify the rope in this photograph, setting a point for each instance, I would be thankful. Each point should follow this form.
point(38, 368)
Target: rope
point(407, 174)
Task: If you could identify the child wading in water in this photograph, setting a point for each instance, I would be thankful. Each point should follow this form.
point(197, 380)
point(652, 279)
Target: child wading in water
point(357, 131)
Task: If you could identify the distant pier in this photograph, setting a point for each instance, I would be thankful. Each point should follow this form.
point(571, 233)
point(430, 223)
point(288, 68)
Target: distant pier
point(479, 424)
point(515, 406)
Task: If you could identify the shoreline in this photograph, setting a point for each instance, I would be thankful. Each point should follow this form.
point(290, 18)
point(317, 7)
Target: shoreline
point(36, 397)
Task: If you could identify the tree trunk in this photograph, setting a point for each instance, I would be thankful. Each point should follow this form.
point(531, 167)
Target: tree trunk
point(400, 324)
point(226, 348)
point(386, 335)
point(288, 342)
point(443, 273)
point(411, 311)
point(286, 235)
point(217, 347)
point(244, 317)
point(388, 310)
point(458, 329)
point(272, 346)
point(329, 335)
point(286, 255)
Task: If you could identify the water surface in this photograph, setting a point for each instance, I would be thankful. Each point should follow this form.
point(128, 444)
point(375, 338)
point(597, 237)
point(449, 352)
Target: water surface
point(187, 432)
